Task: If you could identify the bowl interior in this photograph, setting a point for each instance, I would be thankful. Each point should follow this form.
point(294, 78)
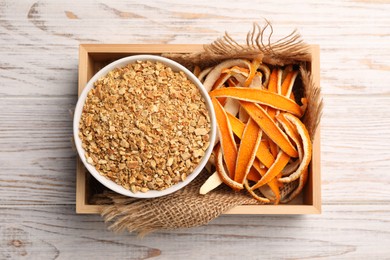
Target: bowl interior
point(78, 111)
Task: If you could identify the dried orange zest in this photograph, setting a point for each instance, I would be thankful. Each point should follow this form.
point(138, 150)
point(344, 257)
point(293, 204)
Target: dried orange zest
point(220, 81)
point(273, 184)
point(232, 82)
point(254, 195)
point(256, 172)
point(197, 71)
point(274, 83)
point(280, 162)
point(228, 144)
point(236, 70)
point(288, 128)
point(250, 141)
point(261, 96)
point(273, 148)
point(237, 126)
point(204, 73)
point(307, 148)
point(301, 184)
point(223, 174)
point(274, 80)
point(288, 83)
point(262, 153)
point(252, 71)
point(266, 73)
point(269, 127)
point(216, 71)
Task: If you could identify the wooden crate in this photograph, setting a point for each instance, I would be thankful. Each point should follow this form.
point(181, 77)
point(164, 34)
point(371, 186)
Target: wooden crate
point(92, 57)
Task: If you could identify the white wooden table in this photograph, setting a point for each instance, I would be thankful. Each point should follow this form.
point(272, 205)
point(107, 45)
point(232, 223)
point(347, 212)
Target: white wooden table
point(38, 76)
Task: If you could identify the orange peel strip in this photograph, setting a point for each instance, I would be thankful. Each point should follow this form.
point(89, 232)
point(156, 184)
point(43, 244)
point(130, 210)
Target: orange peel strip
point(274, 83)
point(261, 96)
point(236, 70)
point(228, 144)
point(269, 127)
point(273, 184)
point(262, 153)
point(280, 162)
point(254, 195)
point(216, 71)
point(266, 73)
point(301, 184)
point(197, 71)
point(274, 80)
point(288, 83)
point(256, 172)
point(252, 71)
point(250, 142)
point(293, 134)
point(224, 175)
point(220, 81)
point(204, 73)
point(307, 148)
point(288, 128)
point(232, 82)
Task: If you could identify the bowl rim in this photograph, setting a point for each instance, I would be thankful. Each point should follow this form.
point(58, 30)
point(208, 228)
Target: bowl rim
point(79, 108)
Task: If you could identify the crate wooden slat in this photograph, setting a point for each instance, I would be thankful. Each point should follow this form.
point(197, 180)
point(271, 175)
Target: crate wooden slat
point(93, 57)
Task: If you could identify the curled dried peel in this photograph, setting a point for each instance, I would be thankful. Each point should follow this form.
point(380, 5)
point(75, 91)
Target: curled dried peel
point(288, 83)
point(254, 195)
point(220, 81)
point(216, 72)
point(252, 70)
point(266, 73)
point(236, 70)
point(228, 144)
point(307, 149)
point(273, 184)
point(301, 184)
point(293, 134)
point(282, 138)
point(224, 175)
point(280, 162)
point(203, 74)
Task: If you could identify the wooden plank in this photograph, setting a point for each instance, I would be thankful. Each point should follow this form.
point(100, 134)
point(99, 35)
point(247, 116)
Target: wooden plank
point(354, 46)
point(340, 232)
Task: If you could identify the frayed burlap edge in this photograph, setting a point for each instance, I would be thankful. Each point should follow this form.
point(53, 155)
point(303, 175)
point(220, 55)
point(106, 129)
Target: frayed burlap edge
point(288, 50)
point(183, 209)
point(187, 208)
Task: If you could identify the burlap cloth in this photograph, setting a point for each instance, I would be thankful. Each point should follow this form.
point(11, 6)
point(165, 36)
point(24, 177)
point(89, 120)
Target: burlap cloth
point(187, 208)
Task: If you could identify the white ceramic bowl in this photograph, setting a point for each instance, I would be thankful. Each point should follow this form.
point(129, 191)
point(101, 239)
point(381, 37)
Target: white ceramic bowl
point(79, 108)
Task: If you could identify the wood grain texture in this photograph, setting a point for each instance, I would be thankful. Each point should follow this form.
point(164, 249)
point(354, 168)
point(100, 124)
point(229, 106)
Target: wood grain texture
point(55, 232)
point(38, 74)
